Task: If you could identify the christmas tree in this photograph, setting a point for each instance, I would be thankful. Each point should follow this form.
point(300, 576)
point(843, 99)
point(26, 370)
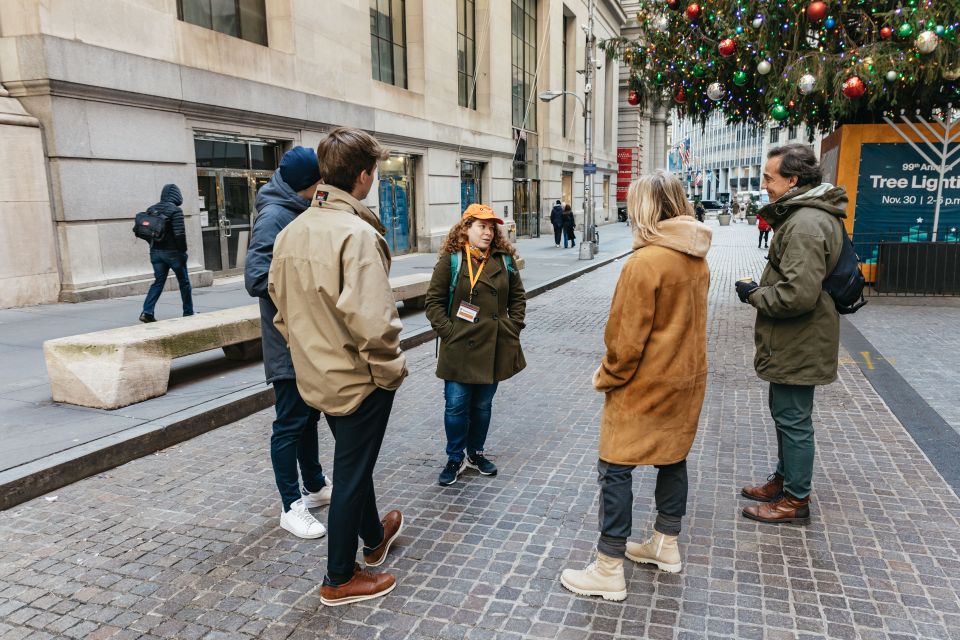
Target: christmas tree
point(814, 63)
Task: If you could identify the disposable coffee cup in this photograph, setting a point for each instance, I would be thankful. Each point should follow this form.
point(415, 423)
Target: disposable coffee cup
point(745, 280)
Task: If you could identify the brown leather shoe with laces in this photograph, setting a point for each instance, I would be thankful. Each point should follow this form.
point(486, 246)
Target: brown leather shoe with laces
point(771, 490)
point(364, 585)
point(786, 509)
point(392, 525)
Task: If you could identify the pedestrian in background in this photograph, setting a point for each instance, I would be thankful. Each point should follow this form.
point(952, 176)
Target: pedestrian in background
point(476, 304)
point(654, 376)
point(556, 219)
point(330, 282)
point(294, 438)
point(169, 252)
point(569, 227)
point(764, 228)
point(796, 314)
point(699, 211)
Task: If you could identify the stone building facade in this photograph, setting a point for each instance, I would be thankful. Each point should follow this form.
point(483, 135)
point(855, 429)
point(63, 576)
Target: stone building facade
point(111, 99)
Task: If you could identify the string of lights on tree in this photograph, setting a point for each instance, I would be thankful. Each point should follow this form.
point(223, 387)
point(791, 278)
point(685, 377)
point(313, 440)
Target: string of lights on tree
point(814, 63)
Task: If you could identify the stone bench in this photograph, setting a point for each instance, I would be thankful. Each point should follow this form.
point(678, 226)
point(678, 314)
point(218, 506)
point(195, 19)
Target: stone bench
point(118, 367)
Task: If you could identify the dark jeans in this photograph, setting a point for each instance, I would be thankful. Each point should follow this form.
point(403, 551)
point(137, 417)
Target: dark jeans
point(764, 235)
point(353, 510)
point(557, 232)
point(294, 440)
point(466, 416)
point(569, 235)
point(616, 503)
point(163, 261)
point(792, 407)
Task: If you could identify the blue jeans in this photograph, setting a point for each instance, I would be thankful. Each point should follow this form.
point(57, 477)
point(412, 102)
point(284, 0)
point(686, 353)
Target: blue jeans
point(466, 416)
point(294, 440)
point(569, 236)
point(163, 261)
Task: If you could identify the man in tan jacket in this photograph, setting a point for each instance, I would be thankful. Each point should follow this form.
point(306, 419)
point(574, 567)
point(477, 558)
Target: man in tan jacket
point(335, 308)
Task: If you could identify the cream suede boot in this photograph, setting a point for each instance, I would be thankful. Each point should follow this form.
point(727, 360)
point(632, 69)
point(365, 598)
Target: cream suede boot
point(603, 577)
point(659, 549)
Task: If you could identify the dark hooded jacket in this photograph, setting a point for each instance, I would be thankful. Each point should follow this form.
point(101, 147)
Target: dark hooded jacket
point(797, 332)
point(556, 215)
point(277, 206)
point(169, 206)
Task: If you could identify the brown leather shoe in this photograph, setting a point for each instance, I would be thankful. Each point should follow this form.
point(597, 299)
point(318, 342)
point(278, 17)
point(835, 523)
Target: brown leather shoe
point(786, 509)
point(392, 524)
point(771, 490)
point(364, 585)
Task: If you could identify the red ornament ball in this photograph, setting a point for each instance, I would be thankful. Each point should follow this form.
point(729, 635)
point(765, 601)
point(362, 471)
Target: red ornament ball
point(674, 4)
point(680, 96)
point(853, 87)
point(886, 33)
point(816, 11)
point(693, 11)
point(633, 98)
point(727, 47)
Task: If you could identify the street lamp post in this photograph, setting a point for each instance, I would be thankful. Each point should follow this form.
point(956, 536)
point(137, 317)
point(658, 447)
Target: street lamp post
point(587, 248)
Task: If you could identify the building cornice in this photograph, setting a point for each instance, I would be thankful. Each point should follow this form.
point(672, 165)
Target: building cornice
point(617, 10)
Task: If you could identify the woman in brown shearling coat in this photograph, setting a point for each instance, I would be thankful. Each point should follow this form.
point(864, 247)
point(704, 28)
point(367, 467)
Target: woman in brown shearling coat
point(654, 376)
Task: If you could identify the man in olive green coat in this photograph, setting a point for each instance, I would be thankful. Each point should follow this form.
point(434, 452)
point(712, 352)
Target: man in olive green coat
point(797, 332)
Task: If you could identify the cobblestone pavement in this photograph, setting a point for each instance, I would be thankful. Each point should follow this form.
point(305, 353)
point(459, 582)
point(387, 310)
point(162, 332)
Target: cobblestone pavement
point(922, 342)
point(186, 543)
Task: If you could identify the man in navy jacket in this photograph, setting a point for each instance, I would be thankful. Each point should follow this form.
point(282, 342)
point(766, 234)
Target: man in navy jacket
point(294, 438)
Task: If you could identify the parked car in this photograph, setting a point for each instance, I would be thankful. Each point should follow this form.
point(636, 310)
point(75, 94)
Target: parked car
point(712, 207)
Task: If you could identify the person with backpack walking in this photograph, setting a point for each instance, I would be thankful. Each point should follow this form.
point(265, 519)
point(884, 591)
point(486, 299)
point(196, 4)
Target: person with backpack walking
point(569, 227)
point(556, 219)
point(294, 438)
point(764, 228)
point(168, 250)
point(654, 377)
point(477, 305)
point(797, 331)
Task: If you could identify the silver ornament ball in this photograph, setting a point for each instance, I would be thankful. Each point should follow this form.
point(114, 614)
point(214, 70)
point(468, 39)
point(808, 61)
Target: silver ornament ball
point(716, 91)
point(764, 67)
point(927, 42)
point(806, 84)
point(758, 22)
point(661, 23)
point(891, 76)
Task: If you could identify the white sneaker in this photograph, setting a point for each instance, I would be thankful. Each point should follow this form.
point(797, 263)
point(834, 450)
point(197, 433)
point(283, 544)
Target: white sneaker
point(318, 498)
point(301, 522)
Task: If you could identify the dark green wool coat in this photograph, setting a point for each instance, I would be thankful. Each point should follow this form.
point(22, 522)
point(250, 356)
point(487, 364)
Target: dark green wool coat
point(797, 333)
point(488, 350)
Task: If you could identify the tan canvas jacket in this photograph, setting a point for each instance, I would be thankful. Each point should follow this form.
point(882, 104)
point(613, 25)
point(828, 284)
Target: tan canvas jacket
point(330, 282)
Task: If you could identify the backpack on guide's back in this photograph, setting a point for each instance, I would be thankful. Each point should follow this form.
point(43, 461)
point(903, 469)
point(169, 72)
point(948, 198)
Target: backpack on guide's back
point(150, 226)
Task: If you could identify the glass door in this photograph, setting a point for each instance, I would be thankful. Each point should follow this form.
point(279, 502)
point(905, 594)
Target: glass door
point(396, 196)
point(208, 186)
point(526, 198)
point(227, 216)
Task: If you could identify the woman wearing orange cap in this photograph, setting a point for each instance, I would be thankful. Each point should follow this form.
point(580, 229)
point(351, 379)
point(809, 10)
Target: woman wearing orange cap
point(476, 304)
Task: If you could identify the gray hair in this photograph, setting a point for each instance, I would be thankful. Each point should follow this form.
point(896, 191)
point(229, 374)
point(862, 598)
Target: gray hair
point(798, 160)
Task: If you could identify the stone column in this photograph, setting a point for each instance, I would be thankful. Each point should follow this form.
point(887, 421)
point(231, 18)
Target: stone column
point(29, 273)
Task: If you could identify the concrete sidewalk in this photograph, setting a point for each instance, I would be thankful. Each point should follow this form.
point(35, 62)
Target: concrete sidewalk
point(47, 444)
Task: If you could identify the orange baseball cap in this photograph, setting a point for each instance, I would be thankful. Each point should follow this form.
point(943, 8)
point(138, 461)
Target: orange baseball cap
point(481, 212)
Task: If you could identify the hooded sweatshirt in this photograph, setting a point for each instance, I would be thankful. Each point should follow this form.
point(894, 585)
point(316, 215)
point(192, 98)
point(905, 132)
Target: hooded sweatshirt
point(797, 332)
point(277, 206)
point(654, 371)
point(169, 206)
point(329, 280)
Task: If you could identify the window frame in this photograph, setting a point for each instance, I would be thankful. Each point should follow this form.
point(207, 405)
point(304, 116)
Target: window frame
point(467, 55)
point(523, 49)
point(238, 17)
point(378, 41)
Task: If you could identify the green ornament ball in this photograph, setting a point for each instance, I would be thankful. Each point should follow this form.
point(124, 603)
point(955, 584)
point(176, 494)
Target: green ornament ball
point(905, 30)
point(699, 70)
point(779, 112)
point(659, 78)
point(740, 78)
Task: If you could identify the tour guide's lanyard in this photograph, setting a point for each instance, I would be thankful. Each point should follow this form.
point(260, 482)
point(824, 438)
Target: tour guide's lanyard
point(483, 262)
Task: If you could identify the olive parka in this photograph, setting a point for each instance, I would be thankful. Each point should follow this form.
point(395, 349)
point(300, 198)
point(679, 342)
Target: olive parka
point(797, 333)
point(488, 350)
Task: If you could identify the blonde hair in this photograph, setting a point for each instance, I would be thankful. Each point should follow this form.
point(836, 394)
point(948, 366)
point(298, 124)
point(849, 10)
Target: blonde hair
point(652, 198)
point(457, 238)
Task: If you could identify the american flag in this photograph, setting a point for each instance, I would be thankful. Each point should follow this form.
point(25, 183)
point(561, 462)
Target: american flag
point(685, 151)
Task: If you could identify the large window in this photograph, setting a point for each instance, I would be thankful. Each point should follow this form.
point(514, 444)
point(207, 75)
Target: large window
point(388, 42)
point(467, 52)
point(523, 21)
point(565, 56)
point(246, 19)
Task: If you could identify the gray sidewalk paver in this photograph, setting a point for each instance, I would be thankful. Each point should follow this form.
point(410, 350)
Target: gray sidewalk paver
point(185, 543)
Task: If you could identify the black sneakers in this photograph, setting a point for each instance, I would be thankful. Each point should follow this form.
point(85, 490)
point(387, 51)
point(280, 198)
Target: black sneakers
point(146, 317)
point(451, 472)
point(481, 464)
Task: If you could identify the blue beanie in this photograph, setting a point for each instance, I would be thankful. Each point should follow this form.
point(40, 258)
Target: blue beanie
point(299, 168)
